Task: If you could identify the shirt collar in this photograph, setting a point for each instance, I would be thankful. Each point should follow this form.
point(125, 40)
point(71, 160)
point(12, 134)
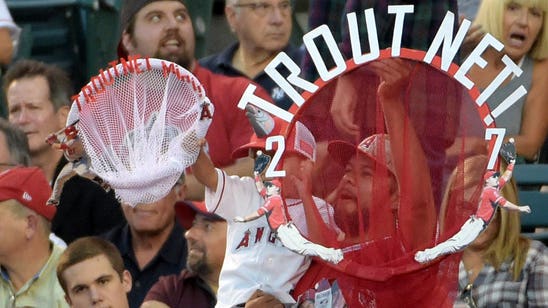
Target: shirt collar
point(170, 250)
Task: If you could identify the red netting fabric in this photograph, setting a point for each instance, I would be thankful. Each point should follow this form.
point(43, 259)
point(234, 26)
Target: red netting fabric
point(404, 179)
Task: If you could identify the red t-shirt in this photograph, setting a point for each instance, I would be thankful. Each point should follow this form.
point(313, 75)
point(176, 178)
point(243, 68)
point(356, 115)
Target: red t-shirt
point(230, 128)
point(183, 290)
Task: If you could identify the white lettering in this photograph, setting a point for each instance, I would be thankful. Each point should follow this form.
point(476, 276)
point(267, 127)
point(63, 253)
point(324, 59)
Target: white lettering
point(499, 133)
point(400, 11)
point(374, 52)
point(270, 69)
point(445, 36)
point(249, 97)
point(475, 58)
point(340, 65)
point(510, 68)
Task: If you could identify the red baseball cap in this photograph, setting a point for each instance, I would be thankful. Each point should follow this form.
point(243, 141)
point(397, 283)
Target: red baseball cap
point(258, 143)
point(490, 174)
point(27, 185)
point(186, 211)
point(342, 151)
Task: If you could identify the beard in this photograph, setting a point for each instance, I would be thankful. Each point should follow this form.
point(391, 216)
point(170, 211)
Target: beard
point(198, 264)
point(347, 218)
point(181, 59)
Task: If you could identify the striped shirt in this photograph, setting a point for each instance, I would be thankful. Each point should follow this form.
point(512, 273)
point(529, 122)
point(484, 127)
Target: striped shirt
point(498, 289)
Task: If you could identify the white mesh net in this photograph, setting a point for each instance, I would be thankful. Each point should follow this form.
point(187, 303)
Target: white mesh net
point(140, 123)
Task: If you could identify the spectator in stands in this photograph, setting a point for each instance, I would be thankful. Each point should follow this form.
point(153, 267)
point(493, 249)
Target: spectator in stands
point(14, 151)
point(503, 268)
point(263, 29)
point(9, 35)
point(163, 29)
point(521, 27)
point(38, 99)
point(91, 272)
point(14, 147)
point(197, 284)
point(27, 257)
point(150, 243)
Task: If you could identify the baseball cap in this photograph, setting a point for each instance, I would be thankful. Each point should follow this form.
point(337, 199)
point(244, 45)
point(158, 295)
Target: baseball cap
point(129, 9)
point(186, 211)
point(490, 174)
point(27, 185)
point(342, 151)
point(300, 141)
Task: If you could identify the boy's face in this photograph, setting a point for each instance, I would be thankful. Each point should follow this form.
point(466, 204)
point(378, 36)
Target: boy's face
point(94, 282)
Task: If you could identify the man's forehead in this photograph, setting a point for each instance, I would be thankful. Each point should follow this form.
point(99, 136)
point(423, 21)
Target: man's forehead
point(89, 270)
point(362, 160)
point(162, 5)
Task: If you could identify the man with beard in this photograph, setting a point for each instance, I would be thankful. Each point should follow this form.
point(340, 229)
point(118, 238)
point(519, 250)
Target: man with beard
point(197, 285)
point(163, 29)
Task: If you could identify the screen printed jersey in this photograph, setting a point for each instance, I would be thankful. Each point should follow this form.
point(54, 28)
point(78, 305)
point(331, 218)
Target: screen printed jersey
point(254, 258)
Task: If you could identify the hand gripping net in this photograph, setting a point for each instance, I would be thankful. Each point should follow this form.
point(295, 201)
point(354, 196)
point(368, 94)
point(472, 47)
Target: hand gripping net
point(140, 123)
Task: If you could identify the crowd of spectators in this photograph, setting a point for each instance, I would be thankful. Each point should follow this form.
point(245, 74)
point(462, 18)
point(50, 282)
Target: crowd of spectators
point(94, 249)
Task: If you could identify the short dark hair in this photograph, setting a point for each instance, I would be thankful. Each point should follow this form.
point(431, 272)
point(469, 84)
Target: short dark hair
point(17, 143)
point(60, 86)
point(86, 248)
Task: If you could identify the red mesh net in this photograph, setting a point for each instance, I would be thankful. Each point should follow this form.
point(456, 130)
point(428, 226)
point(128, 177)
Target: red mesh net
point(404, 178)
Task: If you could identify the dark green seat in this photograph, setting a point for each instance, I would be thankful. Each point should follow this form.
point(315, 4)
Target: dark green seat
point(529, 179)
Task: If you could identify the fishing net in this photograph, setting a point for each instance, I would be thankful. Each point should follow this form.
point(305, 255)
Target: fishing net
point(400, 156)
point(140, 122)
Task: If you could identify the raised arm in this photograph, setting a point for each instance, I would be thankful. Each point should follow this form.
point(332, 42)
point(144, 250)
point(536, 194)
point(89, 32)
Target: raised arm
point(513, 207)
point(411, 166)
point(204, 171)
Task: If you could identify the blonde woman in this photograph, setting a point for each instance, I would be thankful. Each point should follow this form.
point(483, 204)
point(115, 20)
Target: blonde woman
point(521, 25)
point(501, 267)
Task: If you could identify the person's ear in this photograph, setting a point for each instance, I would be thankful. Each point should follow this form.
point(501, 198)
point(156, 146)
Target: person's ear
point(127, 43)
point(230, 14)
point(180, 191)
point(62, 114)
point(127, 281)
point(32, 225)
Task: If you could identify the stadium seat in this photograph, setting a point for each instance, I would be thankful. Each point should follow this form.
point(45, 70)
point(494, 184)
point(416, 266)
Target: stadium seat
point(530, 178)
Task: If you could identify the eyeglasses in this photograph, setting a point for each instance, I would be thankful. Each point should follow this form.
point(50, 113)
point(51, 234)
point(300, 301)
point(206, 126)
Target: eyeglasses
point(466, 296)
point(263, 8)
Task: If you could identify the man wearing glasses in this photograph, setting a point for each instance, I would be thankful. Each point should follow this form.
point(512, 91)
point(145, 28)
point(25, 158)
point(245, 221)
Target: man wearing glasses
point(263, 29)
